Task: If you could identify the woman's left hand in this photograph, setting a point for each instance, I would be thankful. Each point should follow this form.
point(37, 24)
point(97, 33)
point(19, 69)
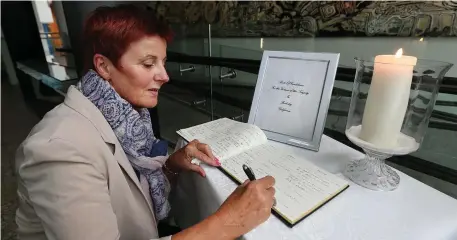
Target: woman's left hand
point(181, 159)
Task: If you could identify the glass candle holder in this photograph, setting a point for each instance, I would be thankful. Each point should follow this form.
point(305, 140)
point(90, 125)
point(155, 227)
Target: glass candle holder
point(390, 109)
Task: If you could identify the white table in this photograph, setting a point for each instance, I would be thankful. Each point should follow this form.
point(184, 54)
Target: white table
point(413, 211)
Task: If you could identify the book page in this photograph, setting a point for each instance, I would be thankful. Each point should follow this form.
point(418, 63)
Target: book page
point(226, 137)
point(300, 185)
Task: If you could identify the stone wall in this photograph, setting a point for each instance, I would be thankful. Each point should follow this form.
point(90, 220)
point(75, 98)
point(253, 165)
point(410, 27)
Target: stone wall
point(311, 18)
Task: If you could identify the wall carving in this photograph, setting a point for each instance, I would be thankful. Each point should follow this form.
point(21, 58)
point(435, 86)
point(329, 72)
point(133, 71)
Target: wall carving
point(310, 18)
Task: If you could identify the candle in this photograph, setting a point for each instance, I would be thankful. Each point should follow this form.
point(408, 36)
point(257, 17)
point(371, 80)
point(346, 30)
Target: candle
point(387, 99)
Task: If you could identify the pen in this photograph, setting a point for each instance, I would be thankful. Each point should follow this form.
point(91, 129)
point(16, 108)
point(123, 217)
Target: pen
point(248, 172)
point(251, 177)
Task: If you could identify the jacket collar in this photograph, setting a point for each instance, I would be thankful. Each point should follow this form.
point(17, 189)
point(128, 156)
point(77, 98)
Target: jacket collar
point(78, 102)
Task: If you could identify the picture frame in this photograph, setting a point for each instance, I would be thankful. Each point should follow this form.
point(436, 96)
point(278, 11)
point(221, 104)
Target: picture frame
point(292, 96)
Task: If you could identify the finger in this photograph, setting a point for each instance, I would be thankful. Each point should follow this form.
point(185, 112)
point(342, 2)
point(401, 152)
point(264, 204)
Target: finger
point(206, 149)
point(270, 196)
point(271, 192)
point(197, 169)
point(205, 158)
point(245, 183)
point(195, 141)
point(190, 146)
point(241, 188)
point(266, 182)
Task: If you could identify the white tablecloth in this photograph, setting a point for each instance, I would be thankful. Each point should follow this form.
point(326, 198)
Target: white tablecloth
point(413, 211)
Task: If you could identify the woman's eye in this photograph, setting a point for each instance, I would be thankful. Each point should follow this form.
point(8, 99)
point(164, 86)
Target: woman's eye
point(148, 65)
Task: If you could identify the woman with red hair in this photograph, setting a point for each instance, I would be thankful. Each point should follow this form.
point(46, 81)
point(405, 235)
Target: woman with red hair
point(92, 168)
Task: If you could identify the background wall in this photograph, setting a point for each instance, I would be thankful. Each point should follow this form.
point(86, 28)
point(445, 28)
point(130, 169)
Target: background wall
point(437, 48)
point(313, 18)
point(357, 28)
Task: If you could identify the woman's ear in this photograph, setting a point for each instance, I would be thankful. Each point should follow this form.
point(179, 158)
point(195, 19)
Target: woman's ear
point(103, 66)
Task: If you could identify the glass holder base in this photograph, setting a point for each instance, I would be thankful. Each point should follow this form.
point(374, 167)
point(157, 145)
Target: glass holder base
point(372, 172)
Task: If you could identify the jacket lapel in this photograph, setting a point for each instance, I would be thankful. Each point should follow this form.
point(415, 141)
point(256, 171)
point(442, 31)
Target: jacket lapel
point(78, 102)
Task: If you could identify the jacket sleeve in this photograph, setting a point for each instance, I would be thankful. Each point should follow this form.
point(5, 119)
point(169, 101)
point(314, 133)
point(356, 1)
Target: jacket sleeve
point(68, 192)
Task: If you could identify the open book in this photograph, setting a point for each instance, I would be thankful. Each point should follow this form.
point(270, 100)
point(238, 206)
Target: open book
point(301, 187)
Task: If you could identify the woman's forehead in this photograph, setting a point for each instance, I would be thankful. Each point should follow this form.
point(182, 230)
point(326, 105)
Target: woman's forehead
point(152, 46)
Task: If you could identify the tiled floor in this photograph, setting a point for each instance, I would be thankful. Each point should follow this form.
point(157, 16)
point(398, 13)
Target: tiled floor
point(18, 120)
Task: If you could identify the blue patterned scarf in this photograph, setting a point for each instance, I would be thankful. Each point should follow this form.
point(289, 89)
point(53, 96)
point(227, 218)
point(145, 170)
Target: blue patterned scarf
point(133, 129)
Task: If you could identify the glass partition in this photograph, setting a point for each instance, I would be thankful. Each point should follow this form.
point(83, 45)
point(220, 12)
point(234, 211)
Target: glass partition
point(236, 85)
point(180, 105)
point(224, 88)
point(188, 45)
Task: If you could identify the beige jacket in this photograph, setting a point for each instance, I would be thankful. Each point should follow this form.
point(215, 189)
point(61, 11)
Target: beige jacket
point(75, 181)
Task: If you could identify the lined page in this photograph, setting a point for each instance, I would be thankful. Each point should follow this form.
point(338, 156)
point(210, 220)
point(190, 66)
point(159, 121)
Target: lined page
point(226, 137)
point(300, 185)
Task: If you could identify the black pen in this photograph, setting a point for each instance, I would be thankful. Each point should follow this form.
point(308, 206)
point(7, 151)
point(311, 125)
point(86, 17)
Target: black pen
point(251, 177)
point(248, 172)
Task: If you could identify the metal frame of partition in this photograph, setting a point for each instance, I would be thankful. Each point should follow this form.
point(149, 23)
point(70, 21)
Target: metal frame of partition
point(448, 86)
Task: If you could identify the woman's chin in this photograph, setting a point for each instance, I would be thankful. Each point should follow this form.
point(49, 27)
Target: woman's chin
point(150, 103)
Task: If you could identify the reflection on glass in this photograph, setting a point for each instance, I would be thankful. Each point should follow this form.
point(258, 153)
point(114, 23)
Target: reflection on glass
point(62, 73)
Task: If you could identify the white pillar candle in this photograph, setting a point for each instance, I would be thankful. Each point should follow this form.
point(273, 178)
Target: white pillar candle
point(387, 99)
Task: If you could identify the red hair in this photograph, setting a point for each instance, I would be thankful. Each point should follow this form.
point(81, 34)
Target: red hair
point(109, 31)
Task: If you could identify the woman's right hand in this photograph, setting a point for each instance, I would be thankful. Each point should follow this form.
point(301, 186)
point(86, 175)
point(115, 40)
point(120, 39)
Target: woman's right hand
point(247, 207)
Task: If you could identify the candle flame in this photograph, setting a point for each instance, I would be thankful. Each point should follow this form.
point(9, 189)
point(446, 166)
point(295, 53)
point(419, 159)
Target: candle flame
point(399, 53)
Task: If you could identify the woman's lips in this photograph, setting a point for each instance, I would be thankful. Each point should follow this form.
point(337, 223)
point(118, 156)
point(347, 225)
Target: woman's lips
point(154, 92)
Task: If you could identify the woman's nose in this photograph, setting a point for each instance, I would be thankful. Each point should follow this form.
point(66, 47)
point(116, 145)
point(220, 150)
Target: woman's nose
point(162, 76)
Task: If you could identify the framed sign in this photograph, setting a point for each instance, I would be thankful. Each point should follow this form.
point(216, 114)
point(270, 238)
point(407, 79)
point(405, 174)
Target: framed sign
point(292, 96)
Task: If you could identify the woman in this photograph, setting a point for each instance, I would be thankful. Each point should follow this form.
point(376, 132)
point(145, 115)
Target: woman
point(92, 169)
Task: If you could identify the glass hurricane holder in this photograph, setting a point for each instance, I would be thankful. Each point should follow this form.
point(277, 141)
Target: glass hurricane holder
point(371, 171)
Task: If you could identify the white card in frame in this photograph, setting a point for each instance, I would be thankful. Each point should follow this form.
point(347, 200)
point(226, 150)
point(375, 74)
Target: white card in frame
point(292, 96)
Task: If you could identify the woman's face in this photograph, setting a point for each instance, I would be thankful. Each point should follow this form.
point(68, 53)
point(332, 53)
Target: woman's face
point(141, 72)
